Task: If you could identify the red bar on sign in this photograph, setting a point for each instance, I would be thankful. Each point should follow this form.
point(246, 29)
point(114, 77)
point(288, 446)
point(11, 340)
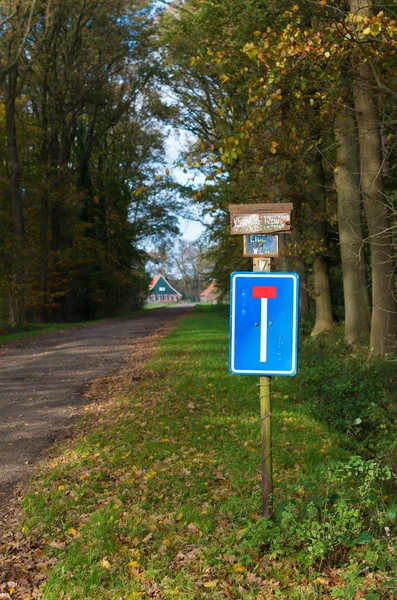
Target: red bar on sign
point(264, 291)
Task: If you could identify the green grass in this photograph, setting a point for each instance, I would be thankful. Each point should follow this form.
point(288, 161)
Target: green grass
point(162, 498)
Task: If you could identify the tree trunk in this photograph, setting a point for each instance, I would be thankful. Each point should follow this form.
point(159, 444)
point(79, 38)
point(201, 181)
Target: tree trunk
point(384, 306)
point(14, 165)
point(347, 180)
point(44, 205)
point(300, 267)
point(321, 287)
point(17, 300)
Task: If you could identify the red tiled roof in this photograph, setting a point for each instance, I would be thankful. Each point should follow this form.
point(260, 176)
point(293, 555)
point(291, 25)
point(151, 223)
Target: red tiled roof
point(209, 289)
point(154, 281)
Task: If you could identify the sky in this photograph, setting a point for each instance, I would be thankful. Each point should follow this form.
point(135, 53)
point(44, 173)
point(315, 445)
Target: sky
point(177, 143)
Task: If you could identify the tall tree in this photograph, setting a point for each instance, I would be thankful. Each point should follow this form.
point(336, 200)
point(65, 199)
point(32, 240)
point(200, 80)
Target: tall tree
point(16, 22)
point(365, 91)
point(347, 180)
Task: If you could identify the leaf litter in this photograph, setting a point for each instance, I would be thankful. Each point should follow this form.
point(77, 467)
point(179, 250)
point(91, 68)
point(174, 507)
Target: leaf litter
point(162, 517)
point(24, 560)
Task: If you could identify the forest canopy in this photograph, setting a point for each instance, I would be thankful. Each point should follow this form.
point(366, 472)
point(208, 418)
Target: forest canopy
point(82, 135)
point(284, 101)
point(295, 102)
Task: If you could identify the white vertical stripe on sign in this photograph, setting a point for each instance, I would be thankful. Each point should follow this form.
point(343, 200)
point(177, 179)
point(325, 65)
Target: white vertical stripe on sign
point(263, 343)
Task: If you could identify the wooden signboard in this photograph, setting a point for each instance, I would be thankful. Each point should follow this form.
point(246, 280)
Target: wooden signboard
point(260, 218)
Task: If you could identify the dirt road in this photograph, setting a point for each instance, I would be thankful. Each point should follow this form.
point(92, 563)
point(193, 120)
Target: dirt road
point(42, 384)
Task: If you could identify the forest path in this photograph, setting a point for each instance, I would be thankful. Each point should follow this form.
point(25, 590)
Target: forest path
point(42, 384)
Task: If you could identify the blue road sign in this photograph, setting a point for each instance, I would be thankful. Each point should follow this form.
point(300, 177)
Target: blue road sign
point(264, 323)
point(261, 245)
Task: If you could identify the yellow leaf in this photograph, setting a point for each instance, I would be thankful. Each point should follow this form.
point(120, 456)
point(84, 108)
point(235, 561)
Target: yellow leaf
point(72, 531)
point(105, 563)
point(327, 54)
point(367, 31)
point(61, 487)
point(238, 568)
point(158, 177)
point(133, 564)
point(211, 584)
point(167, 171)
point(322, 581)
point(82, 477)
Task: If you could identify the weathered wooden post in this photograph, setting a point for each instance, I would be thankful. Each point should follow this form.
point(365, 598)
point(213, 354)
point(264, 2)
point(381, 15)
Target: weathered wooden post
point(260, 225)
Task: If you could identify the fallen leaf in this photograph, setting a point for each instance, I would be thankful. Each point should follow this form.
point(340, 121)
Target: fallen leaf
point(105, 563)
point(211, 584)
point(133, 564)
point(322, 581)
point(238, 568)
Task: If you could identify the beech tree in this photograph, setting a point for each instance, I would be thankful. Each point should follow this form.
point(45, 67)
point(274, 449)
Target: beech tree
point(86, 141)
point(16, 23)
point(365, 91)
point(347, 180)
point(298, 68)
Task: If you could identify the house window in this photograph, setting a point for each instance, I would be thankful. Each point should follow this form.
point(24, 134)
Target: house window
point(162, 289)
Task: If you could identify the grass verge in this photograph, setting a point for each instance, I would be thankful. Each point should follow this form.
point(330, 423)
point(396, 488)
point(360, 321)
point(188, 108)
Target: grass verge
point(161, 499)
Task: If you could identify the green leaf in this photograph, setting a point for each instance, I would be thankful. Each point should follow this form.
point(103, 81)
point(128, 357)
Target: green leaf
point(364, 538)
point(391, 513)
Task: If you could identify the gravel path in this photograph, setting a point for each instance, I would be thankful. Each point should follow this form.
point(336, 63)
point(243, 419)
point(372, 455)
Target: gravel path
point(42, 384)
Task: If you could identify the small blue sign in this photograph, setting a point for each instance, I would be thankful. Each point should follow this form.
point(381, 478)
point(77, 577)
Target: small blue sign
point(260, 245)
point(264, 323)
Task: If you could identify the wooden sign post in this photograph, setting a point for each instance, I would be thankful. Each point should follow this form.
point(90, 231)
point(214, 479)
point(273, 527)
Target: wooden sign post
point(260, 225)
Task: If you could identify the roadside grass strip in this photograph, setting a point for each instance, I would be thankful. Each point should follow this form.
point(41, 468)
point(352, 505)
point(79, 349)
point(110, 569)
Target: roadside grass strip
point(161, 498)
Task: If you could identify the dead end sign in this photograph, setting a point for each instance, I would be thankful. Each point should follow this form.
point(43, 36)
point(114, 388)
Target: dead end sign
point(264, 323)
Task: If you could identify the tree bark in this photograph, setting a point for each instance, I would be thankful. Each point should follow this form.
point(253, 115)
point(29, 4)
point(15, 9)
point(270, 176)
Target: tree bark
point(321, 286)
point(14, 165)
point(384, 306)
point(17, 293)
point(44, 203)
point(347, 180)
point(299, 266)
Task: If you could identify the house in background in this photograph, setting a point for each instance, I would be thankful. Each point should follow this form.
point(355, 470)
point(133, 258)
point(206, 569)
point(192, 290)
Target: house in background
point(161, 292)
point(211, 294)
